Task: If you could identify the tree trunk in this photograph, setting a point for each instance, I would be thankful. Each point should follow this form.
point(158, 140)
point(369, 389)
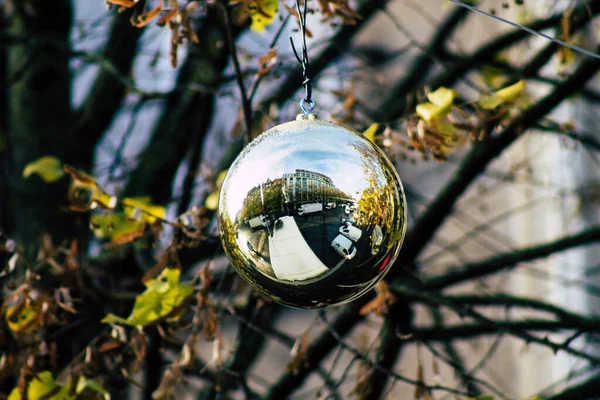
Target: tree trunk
point(38, 116)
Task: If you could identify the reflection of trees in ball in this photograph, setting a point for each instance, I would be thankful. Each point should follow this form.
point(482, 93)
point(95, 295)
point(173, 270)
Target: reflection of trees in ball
point(379, 204)
point(228, 238)
point(262, 199)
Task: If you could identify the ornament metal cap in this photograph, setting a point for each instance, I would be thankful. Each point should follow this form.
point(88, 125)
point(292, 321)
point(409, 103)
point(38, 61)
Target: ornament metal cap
point(306, 117)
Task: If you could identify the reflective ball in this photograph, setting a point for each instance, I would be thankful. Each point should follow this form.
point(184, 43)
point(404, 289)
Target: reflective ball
point(312, 214)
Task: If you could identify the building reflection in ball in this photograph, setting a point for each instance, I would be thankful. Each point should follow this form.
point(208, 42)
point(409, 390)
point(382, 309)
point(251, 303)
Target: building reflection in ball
point(312, 214)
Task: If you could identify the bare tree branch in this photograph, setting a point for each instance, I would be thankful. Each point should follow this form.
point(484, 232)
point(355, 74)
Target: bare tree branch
point(318, 350)
point(501, 262)
point(585, 138)
point(390, 346)
point(249, 344)
point(465, 331)
point(584, 390)
point(386, 356)
point(393, 108)
point(246, 106)
point(38, 112)
point(337, 46)
point(424, 62)
point(455, 359)
point(482, 154)
point(187, 113)
point(505, 327)
point(108, 91)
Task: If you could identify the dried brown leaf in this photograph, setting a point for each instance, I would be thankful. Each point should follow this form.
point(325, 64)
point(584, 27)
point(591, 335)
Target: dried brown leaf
point(339, 8)
point(144, 19)
point(382, 302)
point(203, 293)
point(186, 22)
point(71, 262)
point(63, 299)
point(349, 102)
point(79, 175)
point(269, 57)
point(138, 346)
point(122, 3)
point(295, 14)
point(211, 324)
point(420, 389)
point(110, 345)
point(265, 70)
point(174, 43)
point(299, 354)
point(167, 17)
point(165, 389)
point(128, 237)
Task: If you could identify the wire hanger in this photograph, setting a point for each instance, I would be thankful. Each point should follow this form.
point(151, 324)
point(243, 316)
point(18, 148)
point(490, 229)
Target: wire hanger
point(307, 103)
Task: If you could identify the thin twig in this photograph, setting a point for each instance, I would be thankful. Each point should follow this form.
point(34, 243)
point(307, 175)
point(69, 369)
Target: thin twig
point(259, 77)
point(454, 359)
point(503, 261)
point(246, 106)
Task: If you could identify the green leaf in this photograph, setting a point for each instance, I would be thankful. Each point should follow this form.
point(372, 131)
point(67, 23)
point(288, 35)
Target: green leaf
point(262, 13)
point(84, 383)
point(48, 168)
point(505, 95)
point(116, 227)
point(163, 298)
point(370, 132)
point(440, 103)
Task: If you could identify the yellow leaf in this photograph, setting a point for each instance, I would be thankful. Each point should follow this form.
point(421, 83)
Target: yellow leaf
point(221, 177)
point(48, 168)
point(23, 318)
point(84, 383)
point(510, 93)
point(439, 104)
point(505, 95)
point(150, 212)
point(163, 299)
point(212, 201)
point(442, 97)
point(43, 386)
point(84, 193)
point(369, 133)
point(429, 111)
point(262, 13)
point(14, 395)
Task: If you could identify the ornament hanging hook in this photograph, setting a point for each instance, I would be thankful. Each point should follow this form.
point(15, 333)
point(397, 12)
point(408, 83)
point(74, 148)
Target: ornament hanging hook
point(307, 103)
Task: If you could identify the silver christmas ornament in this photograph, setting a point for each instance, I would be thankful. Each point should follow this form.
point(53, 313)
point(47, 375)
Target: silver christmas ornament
point(312, 214)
